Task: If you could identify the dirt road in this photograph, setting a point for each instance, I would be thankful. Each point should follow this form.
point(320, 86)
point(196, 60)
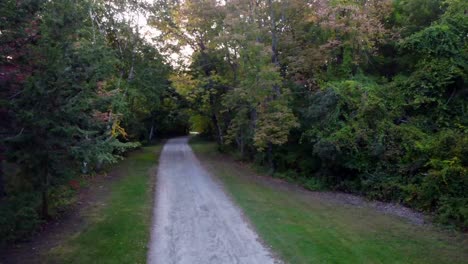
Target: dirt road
point(195, 222)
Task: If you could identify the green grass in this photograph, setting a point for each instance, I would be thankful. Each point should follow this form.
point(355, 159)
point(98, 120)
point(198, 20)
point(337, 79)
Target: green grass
point(119, 230)
point(303, 229)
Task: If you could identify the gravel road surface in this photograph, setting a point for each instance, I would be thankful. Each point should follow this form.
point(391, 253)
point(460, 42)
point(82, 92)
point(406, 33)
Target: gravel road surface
point(195, 222)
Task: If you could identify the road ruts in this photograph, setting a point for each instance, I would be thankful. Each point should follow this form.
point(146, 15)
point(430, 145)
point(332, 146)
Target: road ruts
point(194, 220)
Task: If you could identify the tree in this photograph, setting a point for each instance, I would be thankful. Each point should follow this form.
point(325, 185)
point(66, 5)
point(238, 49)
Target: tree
point(195, 24)
point(58, 108)
point(19, 29)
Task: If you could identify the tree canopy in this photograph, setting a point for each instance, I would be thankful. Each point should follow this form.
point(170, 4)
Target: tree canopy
point(362, 96)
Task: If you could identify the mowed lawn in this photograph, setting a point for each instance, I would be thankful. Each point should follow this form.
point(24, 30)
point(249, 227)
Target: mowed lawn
point(119, 229)
point(304, 229)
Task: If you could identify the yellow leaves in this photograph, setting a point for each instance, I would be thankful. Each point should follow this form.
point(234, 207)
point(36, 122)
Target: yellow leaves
point(275, 121)
point(199, 123)
point(183, 83)
point(117, 130)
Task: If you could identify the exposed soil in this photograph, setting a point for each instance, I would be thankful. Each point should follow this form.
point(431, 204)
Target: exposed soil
point(72, 221)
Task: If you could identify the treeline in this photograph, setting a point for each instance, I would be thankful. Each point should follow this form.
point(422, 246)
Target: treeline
point(362, 96)
point(81, 84)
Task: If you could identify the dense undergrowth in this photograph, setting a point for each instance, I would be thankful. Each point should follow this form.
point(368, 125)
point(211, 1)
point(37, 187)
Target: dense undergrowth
point(368, 96)
point(305, 227)
point(81, 86)
point(20, 216)
point(376, 109)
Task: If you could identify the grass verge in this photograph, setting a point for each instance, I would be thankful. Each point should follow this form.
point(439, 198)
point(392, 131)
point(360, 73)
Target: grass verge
point(118, 229)
point(304, 228)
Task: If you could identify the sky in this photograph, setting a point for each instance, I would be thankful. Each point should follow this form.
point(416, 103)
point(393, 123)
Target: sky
point(149, 32)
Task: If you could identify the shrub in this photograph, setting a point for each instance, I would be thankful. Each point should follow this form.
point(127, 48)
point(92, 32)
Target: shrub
point(18, 216)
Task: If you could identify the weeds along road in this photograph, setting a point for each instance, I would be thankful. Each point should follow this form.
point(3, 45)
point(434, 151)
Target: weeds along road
point(194, 220)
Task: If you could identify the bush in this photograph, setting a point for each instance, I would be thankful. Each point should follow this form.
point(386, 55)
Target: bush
point(453, 210)
point(19, 217)
point(314, 184)
point(60, 198)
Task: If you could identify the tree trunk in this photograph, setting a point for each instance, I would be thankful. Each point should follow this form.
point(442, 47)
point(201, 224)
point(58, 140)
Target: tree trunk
point(242, 147)
point(2, 180)
point(274, 47)
point(253, 119)
point(45, 190)
point(270, 161)
point(240, 144)
point(150, 136)
point(214, 119)
point(99, 166)
point(219, 134)
point(274, 38)
point(45, 204)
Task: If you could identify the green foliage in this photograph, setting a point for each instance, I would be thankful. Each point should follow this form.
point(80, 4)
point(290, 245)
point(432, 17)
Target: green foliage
point(61, 197)
point(319, 228)
point(415, 15)
point(122, 222)
point(86, 87)
point(314, 184)
point(273, 125)
point(359, 96)
point(18, 217)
